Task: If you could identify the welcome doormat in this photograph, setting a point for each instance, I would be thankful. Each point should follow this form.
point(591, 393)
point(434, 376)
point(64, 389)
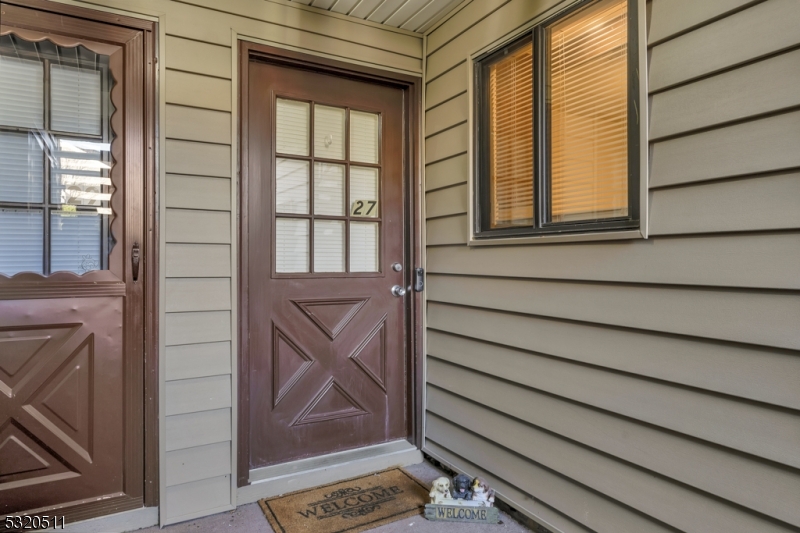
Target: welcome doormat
point(352, 506)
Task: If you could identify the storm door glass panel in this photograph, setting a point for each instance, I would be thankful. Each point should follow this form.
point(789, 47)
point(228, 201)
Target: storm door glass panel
point(364, 191)
point(55, 159)
point(21, 88)
point(21, 168)
point(291, 180)
point(364, 137)
point(328, 132)
point(79, 173)
point(291, 245)
point(328, 246)
point(75, 103)
point(21, 241)
point(364, 247)
point(328, 189)
point(75, 241)
point(292, 127)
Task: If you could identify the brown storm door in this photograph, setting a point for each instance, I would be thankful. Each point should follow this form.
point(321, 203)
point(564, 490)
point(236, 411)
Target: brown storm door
point(74, 261)
point(325, 243)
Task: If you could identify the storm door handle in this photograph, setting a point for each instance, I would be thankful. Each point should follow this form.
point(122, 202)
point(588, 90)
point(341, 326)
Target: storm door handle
point(135, 261)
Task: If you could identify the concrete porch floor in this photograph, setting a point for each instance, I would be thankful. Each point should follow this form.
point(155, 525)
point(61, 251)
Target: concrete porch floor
point(249, 518)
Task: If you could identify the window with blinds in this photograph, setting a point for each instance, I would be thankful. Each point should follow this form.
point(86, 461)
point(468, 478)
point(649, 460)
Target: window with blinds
point(510, 93)
point(554, 126)
point(588, 67)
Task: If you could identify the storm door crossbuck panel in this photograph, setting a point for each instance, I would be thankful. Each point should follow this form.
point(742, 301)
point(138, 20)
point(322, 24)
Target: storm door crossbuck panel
point(325, 234)
point(72, 282)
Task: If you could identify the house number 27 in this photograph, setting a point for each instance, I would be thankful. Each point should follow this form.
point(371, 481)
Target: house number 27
point(364, 208)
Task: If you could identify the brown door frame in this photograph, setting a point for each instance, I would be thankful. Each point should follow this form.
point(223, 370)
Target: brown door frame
point(411, 87)
point(141, 405)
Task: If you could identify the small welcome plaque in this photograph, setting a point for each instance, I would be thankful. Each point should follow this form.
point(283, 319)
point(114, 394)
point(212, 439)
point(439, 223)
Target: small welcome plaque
point(459, 513)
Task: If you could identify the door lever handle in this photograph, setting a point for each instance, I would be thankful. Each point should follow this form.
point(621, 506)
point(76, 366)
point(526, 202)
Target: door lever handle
point(398, 291)
point(135, 261)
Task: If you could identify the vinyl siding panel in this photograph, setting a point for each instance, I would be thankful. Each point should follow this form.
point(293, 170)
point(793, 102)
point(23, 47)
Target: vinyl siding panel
point(198, 294)
point(201, 394)
point(186, 500)
point(198, 57)
point(196, 192)
point(198, 360)
point(200, 462)
point(769, 27)
point(642, 385)
point(193, 124)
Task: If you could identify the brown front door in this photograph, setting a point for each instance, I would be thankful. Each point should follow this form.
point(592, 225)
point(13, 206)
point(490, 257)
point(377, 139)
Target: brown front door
point(72, 204)
point(325, 225)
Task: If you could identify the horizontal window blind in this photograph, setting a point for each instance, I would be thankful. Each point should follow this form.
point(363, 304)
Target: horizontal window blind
point(511, 138)
point(587, 56)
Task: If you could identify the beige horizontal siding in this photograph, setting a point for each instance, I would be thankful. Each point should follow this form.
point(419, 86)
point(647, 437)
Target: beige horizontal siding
point(447, 85)
point(748, 261)
point(763, 87)
point(587, 507)
point(187, 500)
point(770, 26)
point(198, 159)
point(740, 316)
point(195, 124)
point(198, 294)
point(200, 462)
point(451, 112)
point(765, 145)
point(672, 17)
point(198, 260)
point(446, 202)
point(659, 376)
point(190, 225)
point(199, 58)
point(198, 360)
point(759, 204)
point(197, 327)
point(447, 230)
point(197, 90)
point(198, 429)
point(758, 430)
point(706, 468)
point(197, 192)
point(446, 144)
point(199, 394)
point(651, 495)
point(758, 374)
point(447, 172)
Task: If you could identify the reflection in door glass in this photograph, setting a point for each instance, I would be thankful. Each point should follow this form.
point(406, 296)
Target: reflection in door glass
point(364, 247)
point(364, 137)
point(55, 159)
point(329, 246)
point(292, 127)
point(291, 245)
point(328, 189)
point(291, 183)
point(328, 132)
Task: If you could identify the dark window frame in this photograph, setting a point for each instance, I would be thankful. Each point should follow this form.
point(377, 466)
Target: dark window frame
point(541, 139)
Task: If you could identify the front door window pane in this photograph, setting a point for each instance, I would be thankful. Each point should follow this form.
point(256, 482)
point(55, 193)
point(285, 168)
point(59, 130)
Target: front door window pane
point(364, 137)
point(364, 247)
point(21, 93)
point(364, 191)
point(21, 168)
point(291, 178)
point(75, 241)
point(75, 103)
point(21, 241)
point(328, 132)
point(328, 189)
point(328, 246)
point(292, 127)
point(291, 245)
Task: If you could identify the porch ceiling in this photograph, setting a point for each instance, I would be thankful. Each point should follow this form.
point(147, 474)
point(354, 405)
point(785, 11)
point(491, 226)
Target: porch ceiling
point(413, 15)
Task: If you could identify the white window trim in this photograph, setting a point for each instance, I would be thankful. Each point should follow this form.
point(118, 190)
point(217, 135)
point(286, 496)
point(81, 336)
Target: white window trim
point(644, 148)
